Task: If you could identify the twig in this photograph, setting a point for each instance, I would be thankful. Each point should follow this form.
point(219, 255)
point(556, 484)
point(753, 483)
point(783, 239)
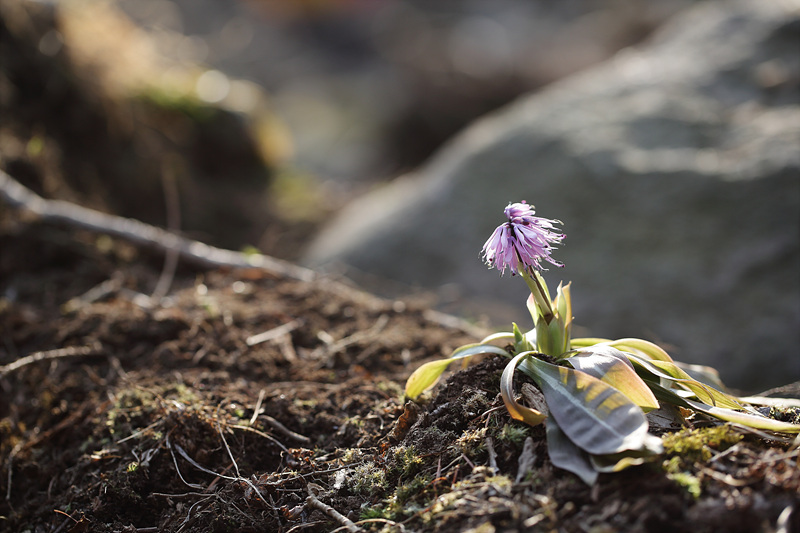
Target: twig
point(228, 449)
point(141, 431)
point(191, 509)
point(454, 322)
point(359, 336)
point(784, 525)
point(179, 496)
point(345, 522)
point(286, 431)
point(300, 527)
point(287, 349)
point(781, 457)
point(261, 394)
point(97, 292)
point(66, 521)
point(382, 521)
point(137, 232)
point(274, 333)
point(10, 466)
point(70, 351)
point(724, 478)
point(207, 471)
point(261, 434)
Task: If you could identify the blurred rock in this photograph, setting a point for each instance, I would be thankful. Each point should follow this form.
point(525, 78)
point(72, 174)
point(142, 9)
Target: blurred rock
point(369, 89)
point(676, 170)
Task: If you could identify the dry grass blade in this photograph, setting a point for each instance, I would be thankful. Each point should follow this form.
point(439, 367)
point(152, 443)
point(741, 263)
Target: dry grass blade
point(177, 468)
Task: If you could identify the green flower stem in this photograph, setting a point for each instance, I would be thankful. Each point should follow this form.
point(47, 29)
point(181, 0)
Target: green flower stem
point(540, 294)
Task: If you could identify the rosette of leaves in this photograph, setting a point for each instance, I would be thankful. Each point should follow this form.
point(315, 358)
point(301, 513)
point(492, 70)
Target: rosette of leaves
point(597, 392)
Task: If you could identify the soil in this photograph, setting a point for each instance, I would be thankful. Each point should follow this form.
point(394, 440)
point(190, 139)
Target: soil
point(161, 416)
point(247, 401)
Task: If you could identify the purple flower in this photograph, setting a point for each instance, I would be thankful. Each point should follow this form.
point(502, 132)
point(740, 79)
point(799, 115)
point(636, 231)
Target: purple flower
point(522, 242)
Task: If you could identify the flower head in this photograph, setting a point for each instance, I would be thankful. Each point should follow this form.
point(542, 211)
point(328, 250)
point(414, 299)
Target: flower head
point(523, 242)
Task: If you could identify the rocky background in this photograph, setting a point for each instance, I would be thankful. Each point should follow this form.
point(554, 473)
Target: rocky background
point(664, 134)
point(675, 167)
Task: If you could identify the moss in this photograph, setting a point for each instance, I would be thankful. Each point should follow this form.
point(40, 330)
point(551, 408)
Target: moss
point(409, 498)
point(351, 455)
point(694, 445)
point(513, 434)
point(372, 512)
point(472, 442)
point(404, 461)
point(689, 482)
point(366, 478)
point(476, 404)
point(177, 101)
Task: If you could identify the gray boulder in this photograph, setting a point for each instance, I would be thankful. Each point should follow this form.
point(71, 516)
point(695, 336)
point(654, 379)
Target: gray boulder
point(676, 170)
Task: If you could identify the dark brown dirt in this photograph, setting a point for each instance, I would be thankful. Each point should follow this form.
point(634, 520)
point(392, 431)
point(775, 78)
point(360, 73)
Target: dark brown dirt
point(156, 428)
point(143, 416)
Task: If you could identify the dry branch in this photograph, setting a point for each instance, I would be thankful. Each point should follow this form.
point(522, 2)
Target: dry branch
point(61, 212)
point(345, 522)
point(49, 355)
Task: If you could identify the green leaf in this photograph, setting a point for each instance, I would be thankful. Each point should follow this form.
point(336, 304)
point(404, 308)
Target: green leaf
point(745, 419)
point(515, 409)
point(673, 373)
point(544, 341)
point(703, 374)
point(637, 346)
point(613, 367)
point(770, 401)
point(594, 415)
point(521, 343)
point(620, 461)
point(563, 304)
point(566, 455)
point(752, 420)
point(426, 375)
point(499, 336)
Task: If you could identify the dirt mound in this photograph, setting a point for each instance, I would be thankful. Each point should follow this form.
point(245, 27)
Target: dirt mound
point(244, 401)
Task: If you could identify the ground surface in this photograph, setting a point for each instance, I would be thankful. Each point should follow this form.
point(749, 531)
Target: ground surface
point(165, 418)
point(140, 415)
